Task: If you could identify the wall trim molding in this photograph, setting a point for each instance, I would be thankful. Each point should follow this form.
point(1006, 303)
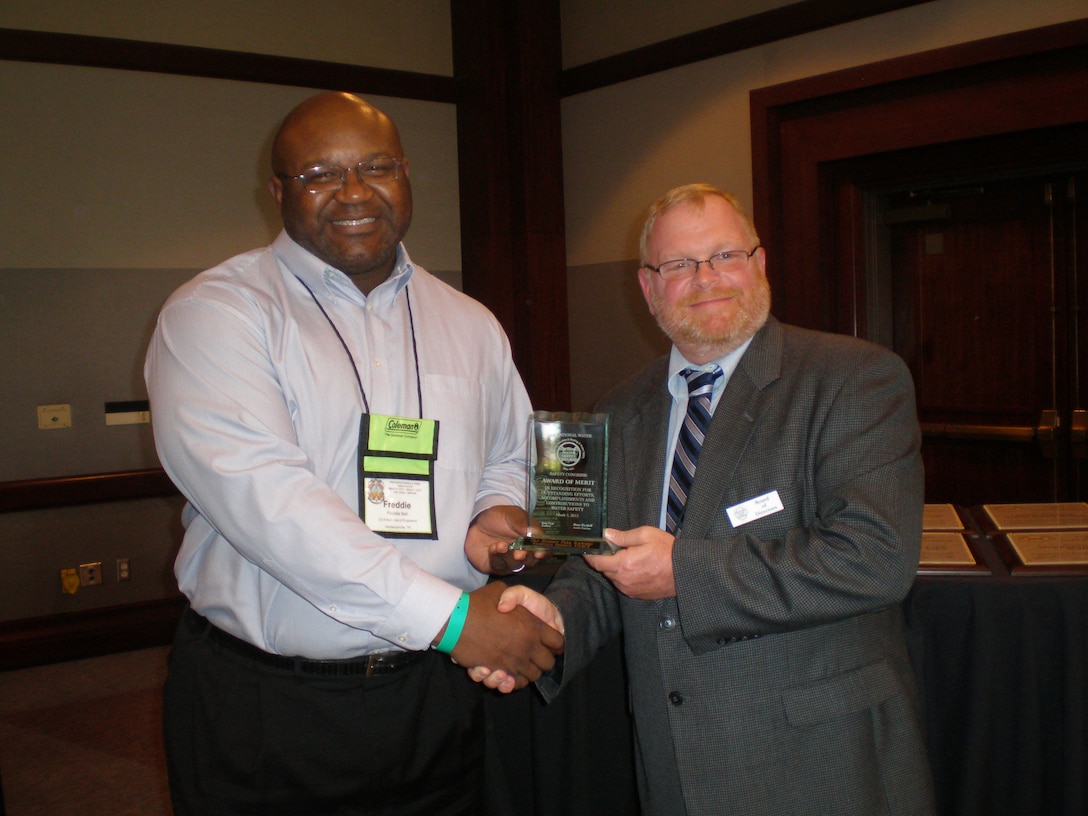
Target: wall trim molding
point(214, 63)
point(93, 488)
point(91, 633)
point(727, 38)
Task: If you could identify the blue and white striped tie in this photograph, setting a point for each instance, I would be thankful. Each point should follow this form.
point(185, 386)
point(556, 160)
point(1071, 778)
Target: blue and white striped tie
point(689, 442)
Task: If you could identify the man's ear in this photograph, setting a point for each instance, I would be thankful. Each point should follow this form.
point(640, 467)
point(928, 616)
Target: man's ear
point(275, 187)
point(645, 283)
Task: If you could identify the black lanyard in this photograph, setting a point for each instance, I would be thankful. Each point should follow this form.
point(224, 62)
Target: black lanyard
point(351, 359)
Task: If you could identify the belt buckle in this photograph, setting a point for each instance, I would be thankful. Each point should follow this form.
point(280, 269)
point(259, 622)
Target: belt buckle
point(375, 664)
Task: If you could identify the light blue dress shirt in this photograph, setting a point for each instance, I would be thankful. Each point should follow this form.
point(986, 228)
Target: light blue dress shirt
point(256, 411)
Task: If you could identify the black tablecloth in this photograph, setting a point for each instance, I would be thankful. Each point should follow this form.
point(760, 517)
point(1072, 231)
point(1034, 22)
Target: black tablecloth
point(1001, 664)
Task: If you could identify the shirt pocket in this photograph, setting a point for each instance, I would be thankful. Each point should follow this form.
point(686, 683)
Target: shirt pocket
point(459, 405)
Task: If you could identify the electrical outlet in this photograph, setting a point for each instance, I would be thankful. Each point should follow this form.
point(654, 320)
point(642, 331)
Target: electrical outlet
point(90, 574)
point(69, 581)
point(123, 573)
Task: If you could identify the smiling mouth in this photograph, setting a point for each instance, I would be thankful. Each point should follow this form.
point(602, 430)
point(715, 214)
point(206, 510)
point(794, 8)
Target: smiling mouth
point(354, 222)
point(713, 298)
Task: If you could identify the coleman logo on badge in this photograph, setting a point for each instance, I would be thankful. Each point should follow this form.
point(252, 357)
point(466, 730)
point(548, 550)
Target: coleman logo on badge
point(395, 426)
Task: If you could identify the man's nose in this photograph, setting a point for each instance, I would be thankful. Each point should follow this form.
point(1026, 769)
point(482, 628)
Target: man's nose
point(354, 187)
point(705, 272)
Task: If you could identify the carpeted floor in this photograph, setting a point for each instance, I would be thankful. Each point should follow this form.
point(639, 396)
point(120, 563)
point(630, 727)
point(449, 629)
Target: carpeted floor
point(84, 737)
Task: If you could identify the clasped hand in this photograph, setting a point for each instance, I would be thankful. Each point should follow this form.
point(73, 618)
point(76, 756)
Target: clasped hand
point(511, 640)
point(642, 569)
point(514, 641)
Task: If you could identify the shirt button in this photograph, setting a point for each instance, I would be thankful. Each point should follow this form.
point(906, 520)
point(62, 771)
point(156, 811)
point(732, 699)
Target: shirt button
point(676, 698)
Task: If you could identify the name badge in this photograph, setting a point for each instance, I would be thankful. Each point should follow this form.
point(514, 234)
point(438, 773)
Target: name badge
point(755, 509)
point(396, 475)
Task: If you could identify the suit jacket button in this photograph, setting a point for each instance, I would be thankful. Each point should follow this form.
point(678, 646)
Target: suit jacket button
point(668, 623)
point(676, 698)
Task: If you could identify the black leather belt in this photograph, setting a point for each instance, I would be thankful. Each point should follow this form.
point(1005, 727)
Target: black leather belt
point(365, 666)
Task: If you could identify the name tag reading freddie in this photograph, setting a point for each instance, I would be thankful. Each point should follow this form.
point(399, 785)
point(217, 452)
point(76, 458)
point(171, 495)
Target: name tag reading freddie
point(754, 509)
point(396, 475)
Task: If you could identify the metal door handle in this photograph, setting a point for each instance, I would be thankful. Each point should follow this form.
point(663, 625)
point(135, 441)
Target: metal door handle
point(1078, 430)
point(988, 433)
point(1045, 432)
point(1078, 433)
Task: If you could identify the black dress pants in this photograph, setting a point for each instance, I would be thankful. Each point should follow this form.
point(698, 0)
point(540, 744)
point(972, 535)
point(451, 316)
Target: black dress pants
point(245, 738)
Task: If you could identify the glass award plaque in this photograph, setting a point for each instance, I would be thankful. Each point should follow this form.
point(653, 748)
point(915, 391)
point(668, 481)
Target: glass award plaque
point(566, 491)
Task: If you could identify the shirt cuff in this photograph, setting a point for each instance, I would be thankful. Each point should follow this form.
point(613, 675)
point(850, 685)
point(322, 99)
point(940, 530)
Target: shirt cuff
point(421, 613)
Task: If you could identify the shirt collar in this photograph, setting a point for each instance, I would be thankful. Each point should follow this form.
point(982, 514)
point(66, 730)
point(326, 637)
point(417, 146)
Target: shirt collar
point(678, 385)
point(334, 284)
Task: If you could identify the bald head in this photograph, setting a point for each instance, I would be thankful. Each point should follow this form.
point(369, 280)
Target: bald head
point(304, 124)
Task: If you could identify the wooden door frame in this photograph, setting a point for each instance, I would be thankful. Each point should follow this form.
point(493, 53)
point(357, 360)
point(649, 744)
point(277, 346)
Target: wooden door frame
point(802, 130)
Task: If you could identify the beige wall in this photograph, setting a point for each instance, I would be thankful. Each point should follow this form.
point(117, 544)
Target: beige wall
point(142, 170)
point(625, 145)
point(406, 36)
point(595, 29)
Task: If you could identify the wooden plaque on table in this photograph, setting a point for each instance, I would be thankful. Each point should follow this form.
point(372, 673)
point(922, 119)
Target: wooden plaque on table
point(944, 517)
point(1045, 516)
point(948, 553)
point(1055, 552)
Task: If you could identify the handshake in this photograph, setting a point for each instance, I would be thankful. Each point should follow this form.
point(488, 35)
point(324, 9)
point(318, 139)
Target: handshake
point(511, 636)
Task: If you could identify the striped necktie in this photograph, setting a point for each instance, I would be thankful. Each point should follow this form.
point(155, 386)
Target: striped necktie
point(689, 442)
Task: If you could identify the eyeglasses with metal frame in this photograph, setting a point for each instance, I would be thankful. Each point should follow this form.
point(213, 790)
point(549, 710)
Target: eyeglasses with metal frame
point(327, 178)
point(688, 267)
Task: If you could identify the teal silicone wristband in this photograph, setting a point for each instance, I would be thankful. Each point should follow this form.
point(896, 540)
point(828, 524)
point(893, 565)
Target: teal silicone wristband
point(455, 625)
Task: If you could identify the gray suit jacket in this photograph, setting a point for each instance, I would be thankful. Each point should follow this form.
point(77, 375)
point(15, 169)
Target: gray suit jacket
point(777, 680)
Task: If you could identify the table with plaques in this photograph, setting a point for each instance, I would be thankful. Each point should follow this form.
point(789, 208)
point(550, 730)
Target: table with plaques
point(998, 628)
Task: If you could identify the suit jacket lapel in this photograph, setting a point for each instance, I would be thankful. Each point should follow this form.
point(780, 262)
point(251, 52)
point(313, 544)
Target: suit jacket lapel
point(731, 427)
point(645, 443)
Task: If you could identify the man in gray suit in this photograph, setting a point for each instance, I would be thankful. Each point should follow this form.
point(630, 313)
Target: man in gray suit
point(763, 632)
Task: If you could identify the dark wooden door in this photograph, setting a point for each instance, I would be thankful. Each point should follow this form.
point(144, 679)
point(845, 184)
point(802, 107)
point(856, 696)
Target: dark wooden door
point(988, 289)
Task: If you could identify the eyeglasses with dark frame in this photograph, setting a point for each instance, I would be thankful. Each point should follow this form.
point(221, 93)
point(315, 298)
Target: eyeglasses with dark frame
point(327, 178)
point(688, 267)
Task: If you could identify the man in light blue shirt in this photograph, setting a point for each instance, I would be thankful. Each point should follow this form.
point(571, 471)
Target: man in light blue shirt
point(349, 433)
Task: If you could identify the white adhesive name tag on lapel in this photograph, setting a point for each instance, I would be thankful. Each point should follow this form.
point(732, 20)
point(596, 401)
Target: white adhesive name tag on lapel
point(754, 509)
